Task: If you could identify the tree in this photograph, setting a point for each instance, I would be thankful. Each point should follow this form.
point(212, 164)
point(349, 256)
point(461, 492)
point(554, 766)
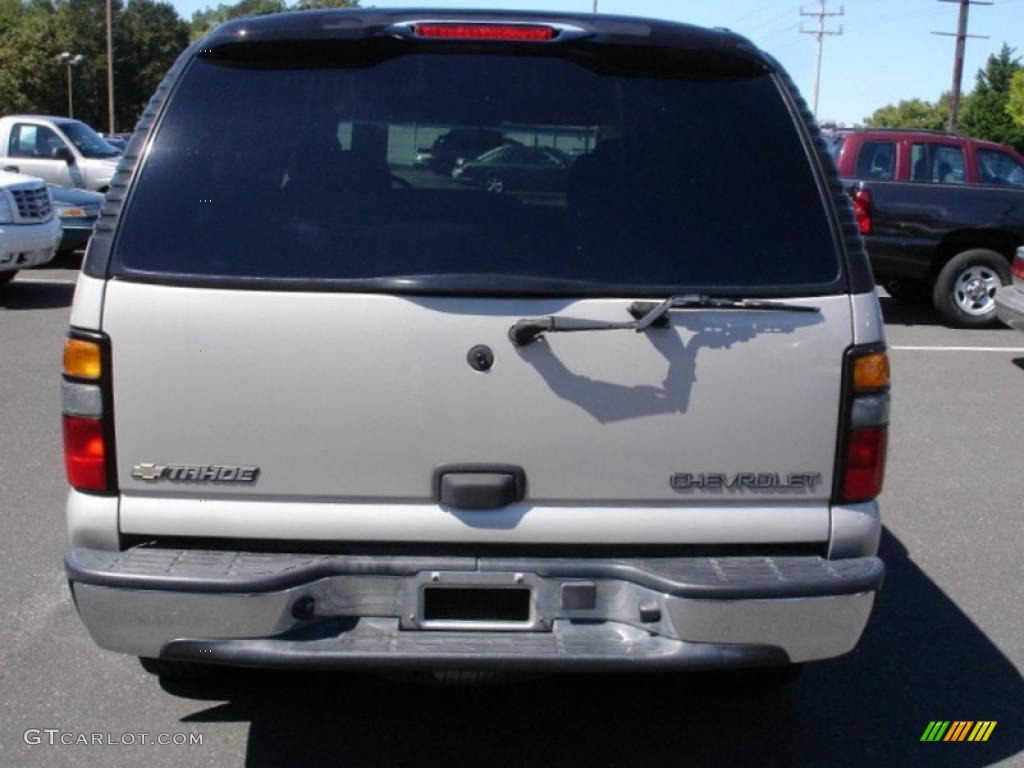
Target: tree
point(315, 5)
point(148, 37)
point(30, 79)
point(1015, 101)
point(204, 21)
point(911, 113)
point(81, 29)
point(986, 115)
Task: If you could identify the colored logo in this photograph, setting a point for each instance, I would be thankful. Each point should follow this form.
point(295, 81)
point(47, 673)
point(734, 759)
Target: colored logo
point(958, 730)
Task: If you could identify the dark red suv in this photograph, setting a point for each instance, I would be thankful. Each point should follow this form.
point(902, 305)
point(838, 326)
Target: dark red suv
point(941, 215)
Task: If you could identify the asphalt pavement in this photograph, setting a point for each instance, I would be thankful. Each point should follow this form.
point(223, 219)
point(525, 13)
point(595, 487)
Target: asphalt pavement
point(946, 641)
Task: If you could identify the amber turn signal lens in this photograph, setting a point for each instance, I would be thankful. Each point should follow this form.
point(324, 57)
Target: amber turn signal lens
point(82, 359)
point(871, 371)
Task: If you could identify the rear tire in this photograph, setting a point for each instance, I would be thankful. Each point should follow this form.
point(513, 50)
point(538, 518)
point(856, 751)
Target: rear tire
point(178, 671)
point(457, 678)
point(964, 291)
point(772, 677)
point(6, 277)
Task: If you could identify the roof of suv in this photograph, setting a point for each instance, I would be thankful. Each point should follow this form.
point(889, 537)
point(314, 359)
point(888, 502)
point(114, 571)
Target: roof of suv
point(923, 133)
point(363, 23)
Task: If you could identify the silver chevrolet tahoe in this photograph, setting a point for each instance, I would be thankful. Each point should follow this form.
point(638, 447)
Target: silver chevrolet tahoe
point(326, 408)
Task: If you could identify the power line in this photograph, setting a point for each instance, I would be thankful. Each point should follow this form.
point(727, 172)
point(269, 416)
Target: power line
point(779, 33)
point(958, 56)
point(752, 13)
point(822, 14)
point(769, 22)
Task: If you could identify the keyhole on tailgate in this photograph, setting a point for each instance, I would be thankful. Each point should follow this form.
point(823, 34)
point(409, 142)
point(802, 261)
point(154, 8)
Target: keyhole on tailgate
point(480, 358)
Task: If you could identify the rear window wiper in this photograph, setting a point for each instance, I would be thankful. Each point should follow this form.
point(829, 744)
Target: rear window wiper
point(646, 314)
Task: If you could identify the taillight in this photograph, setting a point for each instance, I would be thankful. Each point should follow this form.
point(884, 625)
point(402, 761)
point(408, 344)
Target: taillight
point(462, 31)
point(85, 453)
point(865, 464)
point(862, 210)
point(1018, 265)
point(865, 425)
point(85, 405)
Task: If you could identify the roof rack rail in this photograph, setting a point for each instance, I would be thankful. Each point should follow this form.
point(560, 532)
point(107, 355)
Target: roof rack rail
point(935, 131)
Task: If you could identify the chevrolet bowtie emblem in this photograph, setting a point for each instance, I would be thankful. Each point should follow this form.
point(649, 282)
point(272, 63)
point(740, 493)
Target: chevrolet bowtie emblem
point(147, 471)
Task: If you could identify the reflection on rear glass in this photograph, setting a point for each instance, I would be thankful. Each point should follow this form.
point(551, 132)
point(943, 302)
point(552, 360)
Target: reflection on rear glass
point(447, 165)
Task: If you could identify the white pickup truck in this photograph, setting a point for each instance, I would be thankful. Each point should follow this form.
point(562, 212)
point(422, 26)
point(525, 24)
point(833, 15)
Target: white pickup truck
point(29, 230)
point(58, 150)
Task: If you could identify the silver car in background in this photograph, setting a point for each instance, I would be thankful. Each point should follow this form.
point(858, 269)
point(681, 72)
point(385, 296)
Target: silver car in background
point(1010, 298)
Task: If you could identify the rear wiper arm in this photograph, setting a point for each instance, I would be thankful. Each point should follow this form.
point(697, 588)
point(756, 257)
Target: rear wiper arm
point(527, 330)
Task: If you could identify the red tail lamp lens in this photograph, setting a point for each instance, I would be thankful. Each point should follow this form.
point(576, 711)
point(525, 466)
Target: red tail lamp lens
point(1018, 266)
point(862, 210)
point(865, 464)
point(85, 453)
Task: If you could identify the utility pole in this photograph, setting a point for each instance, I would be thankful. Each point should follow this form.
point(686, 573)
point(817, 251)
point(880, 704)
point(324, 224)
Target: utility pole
point(958, 57)
point(110, 73)
point(595, 6)
point(821, 14)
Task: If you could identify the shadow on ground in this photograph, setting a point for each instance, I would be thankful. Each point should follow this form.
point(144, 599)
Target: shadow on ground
point(921, 659)
point(905, 313)
point(21, 295)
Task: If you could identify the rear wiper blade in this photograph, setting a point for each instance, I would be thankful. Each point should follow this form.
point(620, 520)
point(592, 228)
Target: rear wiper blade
point(527, 329)
point(651, 313)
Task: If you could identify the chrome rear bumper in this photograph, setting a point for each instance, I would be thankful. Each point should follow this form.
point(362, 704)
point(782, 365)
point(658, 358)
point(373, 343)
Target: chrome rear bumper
point(292, 610)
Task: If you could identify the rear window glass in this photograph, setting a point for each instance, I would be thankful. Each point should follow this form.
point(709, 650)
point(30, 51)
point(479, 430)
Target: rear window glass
point(937, 163)
point(435, 171)
point(876, 160)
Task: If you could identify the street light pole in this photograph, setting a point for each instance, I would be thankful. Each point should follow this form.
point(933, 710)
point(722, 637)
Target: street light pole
point(70, 60)
point(110, 73)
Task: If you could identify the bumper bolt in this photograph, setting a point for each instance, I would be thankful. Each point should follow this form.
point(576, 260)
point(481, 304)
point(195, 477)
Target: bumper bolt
point(650, 611)
point(304, 608)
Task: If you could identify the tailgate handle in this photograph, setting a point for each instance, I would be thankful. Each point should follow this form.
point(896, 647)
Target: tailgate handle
point(479, 486)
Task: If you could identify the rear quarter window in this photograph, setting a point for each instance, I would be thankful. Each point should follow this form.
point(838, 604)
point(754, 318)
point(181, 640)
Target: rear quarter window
point(649, 184)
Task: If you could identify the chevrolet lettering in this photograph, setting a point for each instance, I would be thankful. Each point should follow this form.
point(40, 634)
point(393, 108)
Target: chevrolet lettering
point(715, 481)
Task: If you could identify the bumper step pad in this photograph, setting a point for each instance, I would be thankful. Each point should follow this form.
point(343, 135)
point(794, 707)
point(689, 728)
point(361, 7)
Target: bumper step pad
point(381, 644)
point(698, 577)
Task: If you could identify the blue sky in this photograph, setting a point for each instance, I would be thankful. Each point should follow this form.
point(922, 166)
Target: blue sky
point(886, 51)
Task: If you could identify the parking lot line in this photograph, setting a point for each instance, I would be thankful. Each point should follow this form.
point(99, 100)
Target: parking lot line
point(45, 280)
point(959, 349)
